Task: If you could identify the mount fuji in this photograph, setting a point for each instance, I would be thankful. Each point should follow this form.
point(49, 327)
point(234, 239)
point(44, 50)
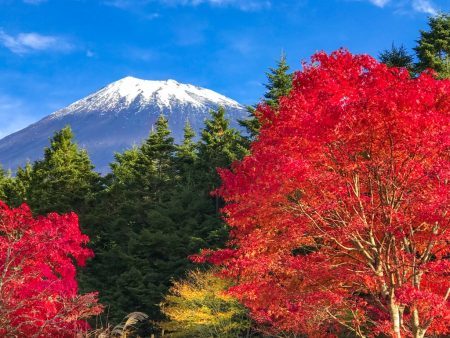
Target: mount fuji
point(117, 117)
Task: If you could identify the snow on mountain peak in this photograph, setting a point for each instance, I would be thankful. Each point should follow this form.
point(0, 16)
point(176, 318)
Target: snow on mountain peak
point(118, 117)
point(121, 94)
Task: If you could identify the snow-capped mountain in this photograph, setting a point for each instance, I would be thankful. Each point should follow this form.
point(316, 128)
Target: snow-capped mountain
point(117, 117)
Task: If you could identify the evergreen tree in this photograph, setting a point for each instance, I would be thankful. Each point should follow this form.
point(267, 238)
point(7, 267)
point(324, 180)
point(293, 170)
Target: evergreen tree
point(251, 124)
point(6, 185)
point(156, 211)
point(22, 183)
point(13, 189)
point(219, 146)
point(156, 164)
point(63, 181)
point(397, 57)
point(279, 84)
point(433, 47)
point(186, 156)
point(138, 245)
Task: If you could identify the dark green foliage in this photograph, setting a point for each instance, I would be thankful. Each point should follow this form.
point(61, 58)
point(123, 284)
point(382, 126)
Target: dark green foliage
point(6, 185)
point(22, 183)
point(155, 211)
point(154, 170)
point(63, 181)
point(220, 145)
point(13, 189)
point(433, 47)
point(397, 57)
point(251, 124)
point(279, 85)
point(186, 156)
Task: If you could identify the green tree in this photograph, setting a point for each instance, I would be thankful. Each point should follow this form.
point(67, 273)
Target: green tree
point(6, 185)
point(433, 47)
point(219, 146)
point(155, 170)
point(63, 181)
point(186, 156)
point(13, 189)
point(279, 84)
point(22, 184)
point(397, 57)
point(155, 211)
point(138, 245)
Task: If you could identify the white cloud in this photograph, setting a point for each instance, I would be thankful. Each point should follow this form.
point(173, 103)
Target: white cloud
point(380, 3)
point(424, 6)
point(245, 5)
point(34, 2)
point(25, 43)
point(14, 115)
point(124, 4)
point(420, 6)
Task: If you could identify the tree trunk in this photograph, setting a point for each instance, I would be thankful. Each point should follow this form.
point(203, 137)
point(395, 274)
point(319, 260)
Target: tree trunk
point(395, 319)
point(419, 333)
point(417, 330)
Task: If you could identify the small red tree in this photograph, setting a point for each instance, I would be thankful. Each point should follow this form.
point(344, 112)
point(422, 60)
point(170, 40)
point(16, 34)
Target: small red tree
point(38, 289)
point(340, 214)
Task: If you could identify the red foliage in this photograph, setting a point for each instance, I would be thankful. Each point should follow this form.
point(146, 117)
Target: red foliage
point(38, 289)
point(340, 214)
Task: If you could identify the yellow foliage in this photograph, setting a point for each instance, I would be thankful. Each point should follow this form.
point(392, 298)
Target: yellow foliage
point(199, 307)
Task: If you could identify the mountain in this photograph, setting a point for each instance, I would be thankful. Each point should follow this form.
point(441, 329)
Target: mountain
point(117, 117)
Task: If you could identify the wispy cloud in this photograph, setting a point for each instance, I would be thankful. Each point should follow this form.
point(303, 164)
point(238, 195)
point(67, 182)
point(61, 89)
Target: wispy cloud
point(14, 115)
point(424, 6)
point(125, 4)
point(245, 5)
point(34, 2)
point(420, 6)
point(379, 3)
point(135, 6)
point(140, 54)
point(24, 43)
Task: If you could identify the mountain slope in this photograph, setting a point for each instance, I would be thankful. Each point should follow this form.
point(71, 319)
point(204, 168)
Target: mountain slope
point(117, 117)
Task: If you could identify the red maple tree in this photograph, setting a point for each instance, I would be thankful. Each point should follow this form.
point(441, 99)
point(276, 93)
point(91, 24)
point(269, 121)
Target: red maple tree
point(339, 217)
point(38, 289)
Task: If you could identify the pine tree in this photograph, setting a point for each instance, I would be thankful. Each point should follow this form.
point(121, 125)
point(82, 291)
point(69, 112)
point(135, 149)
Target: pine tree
point(219, 146)
point(157, 210)
point(186, 156)
point(148, 170)
point(433, 47)
point(279, 84)
point(13, 189)
point(19, 186)
point(6, 185)
point(157, 159)
point(63, 180)
point(139, 248)
point(397, 57)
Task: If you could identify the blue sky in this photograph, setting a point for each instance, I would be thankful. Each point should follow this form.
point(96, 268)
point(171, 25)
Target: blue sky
point(53, 52)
